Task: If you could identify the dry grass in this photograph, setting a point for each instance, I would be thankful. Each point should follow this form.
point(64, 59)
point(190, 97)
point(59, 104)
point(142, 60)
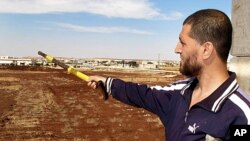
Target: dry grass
point(9, 79)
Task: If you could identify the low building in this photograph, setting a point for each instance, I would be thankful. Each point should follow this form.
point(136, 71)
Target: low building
point(7, 61)
point(23, 62)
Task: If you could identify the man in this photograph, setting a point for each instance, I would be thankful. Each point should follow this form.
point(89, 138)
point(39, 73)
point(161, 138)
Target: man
point(206, 104)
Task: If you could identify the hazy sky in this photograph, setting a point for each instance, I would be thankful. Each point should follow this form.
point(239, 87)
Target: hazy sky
point(135, 29)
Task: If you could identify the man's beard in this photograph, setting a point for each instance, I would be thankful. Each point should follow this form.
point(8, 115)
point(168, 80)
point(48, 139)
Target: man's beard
point(190, 67)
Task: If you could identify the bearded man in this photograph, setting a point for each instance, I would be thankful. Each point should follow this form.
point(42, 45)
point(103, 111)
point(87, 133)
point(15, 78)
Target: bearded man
point(209, 101)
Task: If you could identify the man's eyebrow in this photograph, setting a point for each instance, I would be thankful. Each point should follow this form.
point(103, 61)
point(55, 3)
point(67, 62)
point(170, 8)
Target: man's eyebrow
point(180, 39)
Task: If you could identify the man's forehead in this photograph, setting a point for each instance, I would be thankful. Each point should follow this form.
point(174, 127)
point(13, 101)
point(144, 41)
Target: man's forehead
point(185, 31)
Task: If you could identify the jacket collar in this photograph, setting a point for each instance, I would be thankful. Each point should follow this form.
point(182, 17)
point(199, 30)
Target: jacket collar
point(215, 101)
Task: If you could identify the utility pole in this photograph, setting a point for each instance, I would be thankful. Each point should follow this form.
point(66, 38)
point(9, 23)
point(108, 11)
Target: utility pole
point(159, 59)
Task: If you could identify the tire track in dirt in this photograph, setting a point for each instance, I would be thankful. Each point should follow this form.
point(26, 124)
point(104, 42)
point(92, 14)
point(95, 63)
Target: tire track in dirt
point(33, 103)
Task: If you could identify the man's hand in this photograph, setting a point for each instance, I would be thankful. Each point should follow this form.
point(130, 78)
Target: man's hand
point(92, 81)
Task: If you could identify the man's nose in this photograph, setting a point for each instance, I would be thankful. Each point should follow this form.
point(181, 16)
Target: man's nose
point(178, 48)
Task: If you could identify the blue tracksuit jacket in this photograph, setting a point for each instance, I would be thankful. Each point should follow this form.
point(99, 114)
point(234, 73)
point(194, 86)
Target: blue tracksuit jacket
point(210, 118)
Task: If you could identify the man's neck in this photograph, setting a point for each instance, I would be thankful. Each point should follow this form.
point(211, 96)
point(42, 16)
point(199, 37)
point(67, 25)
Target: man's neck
point(211, 79)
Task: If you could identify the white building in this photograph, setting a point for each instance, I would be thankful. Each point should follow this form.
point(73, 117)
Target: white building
point(7, 60)
point(23, 62)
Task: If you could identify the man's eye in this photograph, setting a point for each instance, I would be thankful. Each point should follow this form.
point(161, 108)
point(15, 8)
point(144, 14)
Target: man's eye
point(182, 43)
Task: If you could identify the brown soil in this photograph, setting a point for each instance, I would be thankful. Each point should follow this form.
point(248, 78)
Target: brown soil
point(49, 104)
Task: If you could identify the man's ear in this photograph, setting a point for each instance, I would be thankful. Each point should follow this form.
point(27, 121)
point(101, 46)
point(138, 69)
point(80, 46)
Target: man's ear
point(208, 50)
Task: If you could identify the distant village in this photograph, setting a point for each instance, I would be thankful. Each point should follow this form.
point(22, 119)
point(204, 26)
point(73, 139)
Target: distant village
point(89, 62)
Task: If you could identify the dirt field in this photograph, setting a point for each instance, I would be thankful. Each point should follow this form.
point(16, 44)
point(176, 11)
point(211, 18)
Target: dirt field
point(49, 104)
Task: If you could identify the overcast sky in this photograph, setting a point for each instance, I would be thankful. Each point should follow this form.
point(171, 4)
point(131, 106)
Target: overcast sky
point(126, 29)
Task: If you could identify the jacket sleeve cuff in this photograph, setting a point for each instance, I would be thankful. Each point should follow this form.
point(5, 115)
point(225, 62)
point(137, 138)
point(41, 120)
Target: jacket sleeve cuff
point(108, 84)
